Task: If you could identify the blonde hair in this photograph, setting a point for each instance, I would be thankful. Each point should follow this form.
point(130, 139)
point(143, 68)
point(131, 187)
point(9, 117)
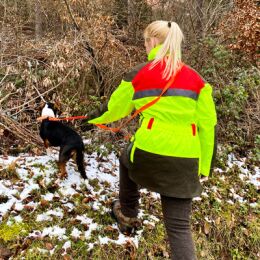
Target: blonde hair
point(170, 36)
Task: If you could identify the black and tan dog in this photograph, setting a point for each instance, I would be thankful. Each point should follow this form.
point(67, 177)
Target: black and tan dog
point(55, 133)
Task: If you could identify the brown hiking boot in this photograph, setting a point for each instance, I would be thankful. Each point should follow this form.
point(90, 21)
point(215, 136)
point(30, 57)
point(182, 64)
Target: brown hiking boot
point(126, 225)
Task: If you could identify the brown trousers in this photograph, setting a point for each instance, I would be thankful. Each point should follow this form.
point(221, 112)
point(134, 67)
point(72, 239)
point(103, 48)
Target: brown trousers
point(176, 214)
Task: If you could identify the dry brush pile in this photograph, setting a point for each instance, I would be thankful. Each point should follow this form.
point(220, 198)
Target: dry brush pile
point(76, 70)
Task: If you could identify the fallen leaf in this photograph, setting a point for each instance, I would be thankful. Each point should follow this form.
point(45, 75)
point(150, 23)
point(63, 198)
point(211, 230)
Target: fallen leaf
point(87, 200)
point(217, 221)
point(206, 228)
point(44, 203)
point(67, 257)
point(28, 207)
point(49, 246)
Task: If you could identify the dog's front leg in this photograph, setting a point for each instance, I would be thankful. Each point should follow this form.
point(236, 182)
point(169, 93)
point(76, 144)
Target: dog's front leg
point(47, 146)
point(62, 169)
point(46, 143)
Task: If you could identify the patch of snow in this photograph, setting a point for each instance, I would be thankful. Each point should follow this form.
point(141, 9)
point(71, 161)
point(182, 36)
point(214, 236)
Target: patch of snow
point(48, 196)
point(155, 195)
point(222, 177)
point(28, 188)
point(70, 206)
point(5, 207)
point(96, 205)
point(18, 206)
point(76, 233)
point(84, 219)
point(208, 220)
point(254, 205)
point(91, 227)
point(197, 199)
point(53, 250)
point(238, 198)
point(214, 189)
point(104, 240)
point(55, 212)
point(146, 222)
point(245, 174)
point(4, 191)
point(154, 218)
point(141, 213)
point(91, 246)
point(218, 170)
point(32, 204)
point(18, 219)
point(43, 251)
point(122, 239)
point(54, 231)
point(43, 217)
point(47, 216)
point(66, 245)
point(230, 202)
point(35, 234)
point(204, 194)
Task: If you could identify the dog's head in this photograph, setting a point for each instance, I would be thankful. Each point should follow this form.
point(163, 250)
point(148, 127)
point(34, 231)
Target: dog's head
point(51, 110)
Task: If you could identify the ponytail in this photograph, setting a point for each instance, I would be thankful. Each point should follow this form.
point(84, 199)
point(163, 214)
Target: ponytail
point(170, 36)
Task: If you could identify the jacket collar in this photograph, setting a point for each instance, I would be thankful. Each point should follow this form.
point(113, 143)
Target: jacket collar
point(153, 52)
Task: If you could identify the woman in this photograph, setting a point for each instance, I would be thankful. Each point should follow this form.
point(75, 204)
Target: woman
point(175, 142)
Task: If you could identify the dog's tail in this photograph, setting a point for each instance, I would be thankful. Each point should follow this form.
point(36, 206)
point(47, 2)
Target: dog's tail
point(80, 162)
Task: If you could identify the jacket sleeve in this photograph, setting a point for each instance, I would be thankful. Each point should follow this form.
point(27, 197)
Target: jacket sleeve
point(120, 104)
point(207, 121)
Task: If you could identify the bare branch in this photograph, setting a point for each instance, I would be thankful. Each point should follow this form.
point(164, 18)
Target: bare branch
point(18, 129)
point(6, 97)
point(7, 73)
point(71, 15)
point(44, 93)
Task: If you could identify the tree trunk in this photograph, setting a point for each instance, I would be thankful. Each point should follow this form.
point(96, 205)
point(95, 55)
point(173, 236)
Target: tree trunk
point(38, 19)
point(130, 13)
point(121, 11)
point(199, 26)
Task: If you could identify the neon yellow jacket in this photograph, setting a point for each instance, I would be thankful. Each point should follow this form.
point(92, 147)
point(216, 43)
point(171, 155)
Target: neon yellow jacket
point(180, 124)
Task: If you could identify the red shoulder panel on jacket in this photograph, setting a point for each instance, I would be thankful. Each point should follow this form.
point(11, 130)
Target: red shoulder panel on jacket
point(151, 78)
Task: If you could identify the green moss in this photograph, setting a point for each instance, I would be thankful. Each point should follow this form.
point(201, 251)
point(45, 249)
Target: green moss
point(8, 233)
point(95, 184)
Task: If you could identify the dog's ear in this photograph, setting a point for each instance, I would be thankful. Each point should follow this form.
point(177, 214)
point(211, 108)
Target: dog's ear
point(57, 107)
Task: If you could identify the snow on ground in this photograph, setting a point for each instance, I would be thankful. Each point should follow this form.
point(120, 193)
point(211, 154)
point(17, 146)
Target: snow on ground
point(37, 172)
point(30, 169)
point(246, 175)
point(251, 176)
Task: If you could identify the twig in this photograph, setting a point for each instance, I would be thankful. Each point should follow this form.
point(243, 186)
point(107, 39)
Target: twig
point(44, 93)
point(5, 97)
point(7, 73)
point(18, 130)
point(39, 93)
point(71, 15)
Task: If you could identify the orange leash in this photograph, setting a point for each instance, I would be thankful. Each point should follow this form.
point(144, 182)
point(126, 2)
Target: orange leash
point(141, 109)
point(61, 118)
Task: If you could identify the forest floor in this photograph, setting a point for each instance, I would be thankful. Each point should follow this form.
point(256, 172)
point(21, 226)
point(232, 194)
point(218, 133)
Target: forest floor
point(44, 217)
